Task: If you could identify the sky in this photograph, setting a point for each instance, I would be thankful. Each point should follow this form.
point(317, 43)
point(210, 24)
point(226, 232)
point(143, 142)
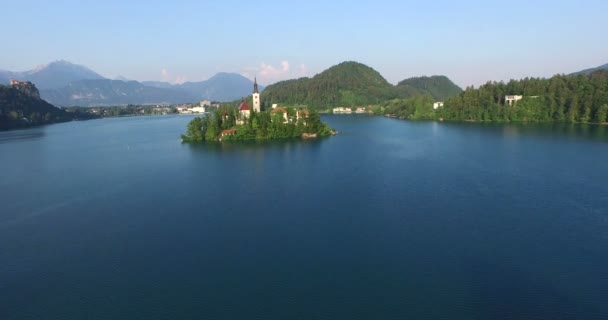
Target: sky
point(471, 42)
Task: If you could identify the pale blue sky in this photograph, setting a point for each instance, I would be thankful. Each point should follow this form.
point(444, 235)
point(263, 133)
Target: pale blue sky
point(469, 41)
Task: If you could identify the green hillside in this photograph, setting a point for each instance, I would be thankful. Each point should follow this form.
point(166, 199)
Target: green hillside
point(346, 84)
point(353, 84)
point(439, 87)
point(582, 98)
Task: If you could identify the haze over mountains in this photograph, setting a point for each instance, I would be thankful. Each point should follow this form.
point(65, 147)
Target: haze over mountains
point(66, 84)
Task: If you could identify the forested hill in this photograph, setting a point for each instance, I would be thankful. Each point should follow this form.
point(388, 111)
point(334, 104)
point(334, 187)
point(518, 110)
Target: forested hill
point(582, 98)
point(439, 87)
point(21, 106)
point(590, 70)
point(346, 84)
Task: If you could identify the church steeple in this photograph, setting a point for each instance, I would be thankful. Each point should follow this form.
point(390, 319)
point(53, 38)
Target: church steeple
point(256, 96)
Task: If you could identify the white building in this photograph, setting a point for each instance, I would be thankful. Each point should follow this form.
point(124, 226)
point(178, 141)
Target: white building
point(256, 96)
point(244, 110)
point(197, 110)
point(510, 100)
point(360, 110)
point(282, 110)
point(204, 105)
point(437, 105)
point(183, 109)
point(342, 110)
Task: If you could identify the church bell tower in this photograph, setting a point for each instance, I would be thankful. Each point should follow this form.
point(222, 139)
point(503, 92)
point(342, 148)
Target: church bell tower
point(256, 96)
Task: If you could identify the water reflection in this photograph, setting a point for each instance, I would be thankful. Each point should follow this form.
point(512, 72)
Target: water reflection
point(17, 135)
point(562, 131)
point(253, 147)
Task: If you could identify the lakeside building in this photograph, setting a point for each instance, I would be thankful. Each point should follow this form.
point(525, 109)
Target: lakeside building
point(342, 110)
point(204, 105)
point(188, 109)
point(197, 109)
point(302, 114)
point(229, 132)
point(437, 105)
point(282, 110)
point(360, 110)
point(244, 113)
point(512, 99)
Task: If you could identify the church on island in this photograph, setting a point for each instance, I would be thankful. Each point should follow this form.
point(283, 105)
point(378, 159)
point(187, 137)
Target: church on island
point(278, 113)
point(244, 109)
point(250, 122)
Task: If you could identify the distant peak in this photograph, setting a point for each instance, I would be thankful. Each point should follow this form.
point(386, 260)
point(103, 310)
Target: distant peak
point(53, 63)
point(40, 67)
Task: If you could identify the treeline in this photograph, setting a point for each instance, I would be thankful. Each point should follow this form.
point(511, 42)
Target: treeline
point(582, 98)
point(263, 125)
point(122, 111)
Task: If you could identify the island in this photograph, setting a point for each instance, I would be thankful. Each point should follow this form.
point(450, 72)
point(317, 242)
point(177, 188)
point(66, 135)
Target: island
point(228, 124)
point(246, 123)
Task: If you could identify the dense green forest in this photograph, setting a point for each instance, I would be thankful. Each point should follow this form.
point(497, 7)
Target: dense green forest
point(582, 98)
point(351, 84)
point(438, 87)
point(266, 125)
point(21, 107)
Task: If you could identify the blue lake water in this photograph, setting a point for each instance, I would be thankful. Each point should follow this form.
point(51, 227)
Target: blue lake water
point(390, 219)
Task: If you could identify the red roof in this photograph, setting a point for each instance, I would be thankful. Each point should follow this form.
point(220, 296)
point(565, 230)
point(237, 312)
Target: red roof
point(279, 109)
point(244, 106)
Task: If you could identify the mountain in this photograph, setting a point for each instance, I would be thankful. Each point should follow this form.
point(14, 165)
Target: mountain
point(346, 84)
point(439, 87)
point(67, 84)
point(221, 87)
point(53, 75)
point(158, 84)
point(21, 106)
point(353, 84)
point(590, 70)
point(106, 92)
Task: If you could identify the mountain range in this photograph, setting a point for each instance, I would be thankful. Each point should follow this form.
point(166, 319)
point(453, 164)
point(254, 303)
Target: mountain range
point(66, 84)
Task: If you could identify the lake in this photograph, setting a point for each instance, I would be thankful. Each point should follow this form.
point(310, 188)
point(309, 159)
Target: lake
point(389, 219)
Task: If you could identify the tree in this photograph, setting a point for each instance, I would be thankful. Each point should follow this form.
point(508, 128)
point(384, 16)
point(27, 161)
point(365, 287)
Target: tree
point(601, 114)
